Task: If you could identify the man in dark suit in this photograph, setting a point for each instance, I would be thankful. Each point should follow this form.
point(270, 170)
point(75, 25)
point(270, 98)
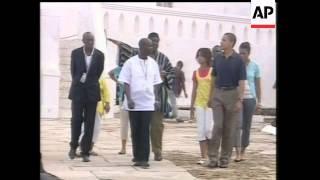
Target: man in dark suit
point(87, 65)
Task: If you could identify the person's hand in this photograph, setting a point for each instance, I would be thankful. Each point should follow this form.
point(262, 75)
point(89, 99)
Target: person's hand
point(192, 113)
point(157, 105)
point(185, 95)
point(83, 78)
point(163, 74)
point(209, 103)
point(107, 107)
point(130, 104)
point(238, 106)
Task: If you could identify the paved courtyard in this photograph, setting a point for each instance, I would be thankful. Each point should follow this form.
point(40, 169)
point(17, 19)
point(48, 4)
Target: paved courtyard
point(181, 152)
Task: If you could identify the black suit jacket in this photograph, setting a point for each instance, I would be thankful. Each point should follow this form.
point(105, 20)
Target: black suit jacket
point(90, 90)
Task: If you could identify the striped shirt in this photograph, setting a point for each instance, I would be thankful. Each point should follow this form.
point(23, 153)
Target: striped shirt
point(164, 65)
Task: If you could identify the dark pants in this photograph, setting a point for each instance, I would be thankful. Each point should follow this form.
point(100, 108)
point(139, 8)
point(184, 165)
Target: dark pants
point(82, 112)
point(225, 122)
point(242, 135)
point(140, 126)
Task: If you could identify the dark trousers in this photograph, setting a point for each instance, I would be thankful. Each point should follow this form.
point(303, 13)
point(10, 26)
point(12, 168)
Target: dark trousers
point(140, 126)
point(82, 112)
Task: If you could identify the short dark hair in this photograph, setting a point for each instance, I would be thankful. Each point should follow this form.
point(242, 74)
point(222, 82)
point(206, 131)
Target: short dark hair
point(86, 33)
point(180, 62)
point(232, 37)
point(206, 53)
point(216, 47)
point(153, 34)
point(246, 46)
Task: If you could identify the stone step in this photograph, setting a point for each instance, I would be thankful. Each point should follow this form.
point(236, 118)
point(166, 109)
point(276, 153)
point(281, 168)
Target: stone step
point(64, 44)
point(66, 47)
point(65, 77)
point(65, 52)
point(64, 91)
point(64, 103)
point(267, 112)
point(64, 85)
point(64, 69)
point(65, 113)
point(269, 119)
point(65, 60)
point(63, 96)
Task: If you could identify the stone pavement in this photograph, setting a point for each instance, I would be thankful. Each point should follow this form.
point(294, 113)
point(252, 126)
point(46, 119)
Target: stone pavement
point(181, 151)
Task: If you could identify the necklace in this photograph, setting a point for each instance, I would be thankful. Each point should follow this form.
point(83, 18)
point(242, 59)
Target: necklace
point(144, 68)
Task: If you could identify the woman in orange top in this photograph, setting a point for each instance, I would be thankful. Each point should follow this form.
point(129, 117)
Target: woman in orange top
point(202, 86)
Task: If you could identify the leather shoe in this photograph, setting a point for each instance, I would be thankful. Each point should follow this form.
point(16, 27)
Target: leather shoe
point(157, 157)
point(212, 164)
point(85, 158)
point(72, 153)
point(145, 165)
point(137, 164)
point(223, 165)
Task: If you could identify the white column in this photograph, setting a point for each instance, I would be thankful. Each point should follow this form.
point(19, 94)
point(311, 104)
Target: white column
point(50, 73)
point(100, 42)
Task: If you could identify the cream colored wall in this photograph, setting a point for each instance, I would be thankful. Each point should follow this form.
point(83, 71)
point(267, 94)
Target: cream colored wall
point(72, 19)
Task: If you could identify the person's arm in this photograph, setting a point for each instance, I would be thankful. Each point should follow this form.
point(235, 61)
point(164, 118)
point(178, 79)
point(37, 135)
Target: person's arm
point(125, 77)
point(101, 66)
point(193, 94)
point(211, 91)
point(128, 95)
point(242, 79)
point(169, 73)
point(112, 76)
point(241, 90)
point(258, 89)
point(258, 85)
point(105, 95)
point(183, 84)
point(72, 66)
point(156, 85)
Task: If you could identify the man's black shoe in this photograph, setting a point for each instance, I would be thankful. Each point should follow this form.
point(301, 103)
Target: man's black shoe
point(72, 153)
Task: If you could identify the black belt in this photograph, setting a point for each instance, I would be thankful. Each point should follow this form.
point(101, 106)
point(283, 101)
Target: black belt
point(227, 88)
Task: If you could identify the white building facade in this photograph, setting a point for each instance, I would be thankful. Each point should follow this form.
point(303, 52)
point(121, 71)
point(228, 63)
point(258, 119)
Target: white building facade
point(183, 29)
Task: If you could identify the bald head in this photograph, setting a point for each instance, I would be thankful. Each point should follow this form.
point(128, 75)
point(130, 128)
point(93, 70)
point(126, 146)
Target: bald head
point(88, 40)
point(145, 47)
point(144, 42)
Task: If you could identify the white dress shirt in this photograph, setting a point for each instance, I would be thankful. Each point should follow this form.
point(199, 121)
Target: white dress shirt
point(88, 58)
point(141, 75)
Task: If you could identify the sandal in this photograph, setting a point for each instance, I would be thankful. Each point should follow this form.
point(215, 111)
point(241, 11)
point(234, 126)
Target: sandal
point(121, 152)
point(201, 161)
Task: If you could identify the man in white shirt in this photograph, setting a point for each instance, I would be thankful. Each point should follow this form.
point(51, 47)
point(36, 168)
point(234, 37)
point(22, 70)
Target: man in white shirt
point(140, 74)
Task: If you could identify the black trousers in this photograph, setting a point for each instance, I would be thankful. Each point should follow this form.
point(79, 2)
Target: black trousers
point(140, 127)
point(82, 112)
